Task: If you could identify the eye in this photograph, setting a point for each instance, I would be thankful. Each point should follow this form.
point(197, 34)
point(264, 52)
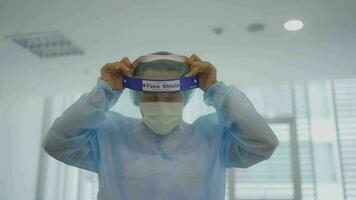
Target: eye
point(147, 97)
point(150, 99)
point(175, 98)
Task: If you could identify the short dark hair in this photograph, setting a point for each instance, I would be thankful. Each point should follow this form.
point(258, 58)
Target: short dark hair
point(162, 53)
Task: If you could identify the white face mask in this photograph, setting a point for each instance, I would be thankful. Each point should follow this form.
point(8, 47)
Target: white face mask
point(161, 117)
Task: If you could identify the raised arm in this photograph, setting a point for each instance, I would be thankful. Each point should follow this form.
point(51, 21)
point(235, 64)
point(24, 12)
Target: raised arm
point(249, 139)
point(72, 137)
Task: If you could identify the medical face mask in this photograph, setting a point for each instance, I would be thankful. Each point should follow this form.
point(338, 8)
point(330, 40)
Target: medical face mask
point(161, 117)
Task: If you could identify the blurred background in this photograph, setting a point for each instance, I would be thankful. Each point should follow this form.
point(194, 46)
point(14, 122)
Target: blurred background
point(295, 60)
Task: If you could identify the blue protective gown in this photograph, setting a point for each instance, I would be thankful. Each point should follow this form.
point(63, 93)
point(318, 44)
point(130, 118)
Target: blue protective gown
point(133, 163)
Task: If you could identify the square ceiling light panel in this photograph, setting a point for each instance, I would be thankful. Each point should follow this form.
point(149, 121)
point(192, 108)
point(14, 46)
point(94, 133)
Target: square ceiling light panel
point(47, 44)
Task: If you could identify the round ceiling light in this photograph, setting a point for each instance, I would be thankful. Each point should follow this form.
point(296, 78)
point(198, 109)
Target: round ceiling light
point(255, 27)
point(218, 30)
point(293, 25)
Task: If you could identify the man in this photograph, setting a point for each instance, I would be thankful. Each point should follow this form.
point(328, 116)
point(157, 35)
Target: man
point(160, 156)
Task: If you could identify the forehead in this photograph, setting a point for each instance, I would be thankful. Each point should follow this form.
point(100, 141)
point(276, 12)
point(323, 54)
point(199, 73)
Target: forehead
point(162, 96)
point(145, 93)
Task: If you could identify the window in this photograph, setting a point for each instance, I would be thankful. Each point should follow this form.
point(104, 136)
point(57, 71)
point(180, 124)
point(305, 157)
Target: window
point(325, 142)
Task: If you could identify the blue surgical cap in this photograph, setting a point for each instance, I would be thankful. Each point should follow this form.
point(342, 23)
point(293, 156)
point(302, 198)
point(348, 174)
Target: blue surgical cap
point(161, 65)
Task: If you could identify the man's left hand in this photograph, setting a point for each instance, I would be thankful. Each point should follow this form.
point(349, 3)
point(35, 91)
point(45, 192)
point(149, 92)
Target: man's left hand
point(205, 71)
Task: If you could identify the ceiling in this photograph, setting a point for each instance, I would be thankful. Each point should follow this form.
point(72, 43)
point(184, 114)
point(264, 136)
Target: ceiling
point(109, 30)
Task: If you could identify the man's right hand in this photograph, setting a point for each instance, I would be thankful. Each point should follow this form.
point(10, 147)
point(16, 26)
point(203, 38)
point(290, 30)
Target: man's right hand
point(113, 73)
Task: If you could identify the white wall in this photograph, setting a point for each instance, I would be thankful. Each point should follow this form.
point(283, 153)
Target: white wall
point(20, 122)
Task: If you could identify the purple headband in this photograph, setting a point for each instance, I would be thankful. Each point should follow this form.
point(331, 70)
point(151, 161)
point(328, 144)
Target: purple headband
point(160, 85)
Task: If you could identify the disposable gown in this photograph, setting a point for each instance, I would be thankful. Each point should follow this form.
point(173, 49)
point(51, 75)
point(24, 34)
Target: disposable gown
point(133, 163)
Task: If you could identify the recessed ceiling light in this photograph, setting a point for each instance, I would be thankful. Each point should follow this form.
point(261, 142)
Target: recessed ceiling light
point(47, 44)
point(218, 30)
point(255, 27)
point(293, 25)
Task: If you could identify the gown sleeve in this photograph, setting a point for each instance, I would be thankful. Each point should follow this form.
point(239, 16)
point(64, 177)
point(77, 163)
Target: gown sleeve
point(72, 138)
point(249, 139)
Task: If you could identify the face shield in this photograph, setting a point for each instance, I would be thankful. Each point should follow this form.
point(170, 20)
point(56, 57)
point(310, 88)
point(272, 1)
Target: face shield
point(159, 87)
point(159, 78)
